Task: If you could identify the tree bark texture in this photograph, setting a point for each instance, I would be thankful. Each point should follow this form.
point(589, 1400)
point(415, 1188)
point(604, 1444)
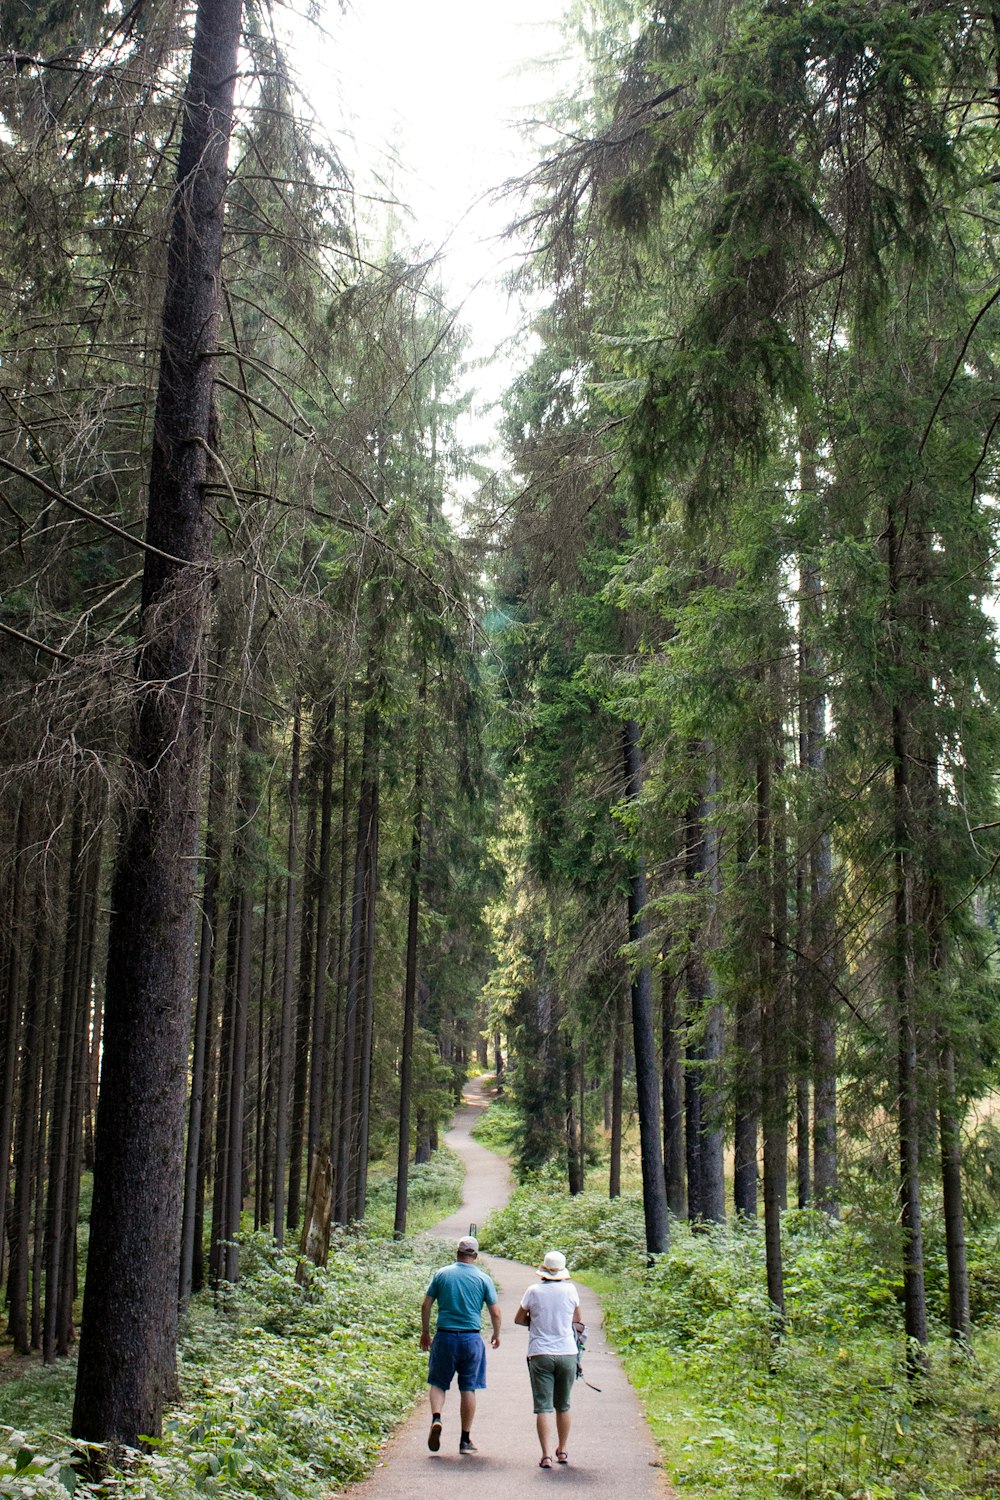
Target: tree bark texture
point(617, 1089)
point(355, 967)
point(129, 1328)
point(190, 1225)
point(654, 1192)
point(300, 1074)
point(673, 1098)
point(904, 969)
point(286, 1044)
point(410, 984)
point(362, 1112)
point(321, 979)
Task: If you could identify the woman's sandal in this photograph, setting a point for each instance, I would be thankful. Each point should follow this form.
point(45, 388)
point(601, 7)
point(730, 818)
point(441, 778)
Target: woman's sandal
point(562, 1457)
point(545, 1462)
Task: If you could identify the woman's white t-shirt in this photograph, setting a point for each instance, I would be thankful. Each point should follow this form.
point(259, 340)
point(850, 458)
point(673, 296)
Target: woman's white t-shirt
point(551, 1305)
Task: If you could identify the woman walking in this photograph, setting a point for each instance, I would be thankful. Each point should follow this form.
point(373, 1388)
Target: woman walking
point(548, 1310)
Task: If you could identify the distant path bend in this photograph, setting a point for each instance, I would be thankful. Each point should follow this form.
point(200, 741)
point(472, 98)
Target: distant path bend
point(612, 1454)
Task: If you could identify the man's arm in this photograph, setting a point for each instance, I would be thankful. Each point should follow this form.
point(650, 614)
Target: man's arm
point(494, 1311)
point(425, 1323)
point(523, 1317)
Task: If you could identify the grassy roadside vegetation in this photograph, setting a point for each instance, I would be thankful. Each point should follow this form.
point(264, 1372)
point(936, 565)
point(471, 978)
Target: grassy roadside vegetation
point(496, 1128)
point(825, 1414)
point(287, 1391)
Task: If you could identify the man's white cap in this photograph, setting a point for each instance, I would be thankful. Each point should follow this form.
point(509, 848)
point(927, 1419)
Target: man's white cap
point(468, 1245)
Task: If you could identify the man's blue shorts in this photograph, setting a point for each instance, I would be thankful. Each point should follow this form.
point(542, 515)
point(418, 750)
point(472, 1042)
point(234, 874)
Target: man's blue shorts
point(461, 1354)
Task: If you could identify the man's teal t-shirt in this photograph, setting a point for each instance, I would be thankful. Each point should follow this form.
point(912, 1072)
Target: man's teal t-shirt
point(461, 1291)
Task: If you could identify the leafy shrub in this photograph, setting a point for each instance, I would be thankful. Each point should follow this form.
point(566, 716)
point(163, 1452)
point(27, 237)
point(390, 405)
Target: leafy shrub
point(434, 1190)
point(593, 1231)
point(288, 1390)
point(826, 1412)
point(497, 1127)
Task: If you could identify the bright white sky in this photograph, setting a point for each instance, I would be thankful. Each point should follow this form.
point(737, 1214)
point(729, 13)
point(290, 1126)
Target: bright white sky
point(438, 91)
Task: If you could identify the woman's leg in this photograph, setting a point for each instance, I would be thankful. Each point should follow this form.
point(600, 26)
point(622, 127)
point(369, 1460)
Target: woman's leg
point(543, 1426)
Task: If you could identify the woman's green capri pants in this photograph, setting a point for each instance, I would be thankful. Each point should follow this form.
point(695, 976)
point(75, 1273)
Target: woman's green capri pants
point(552, 1377)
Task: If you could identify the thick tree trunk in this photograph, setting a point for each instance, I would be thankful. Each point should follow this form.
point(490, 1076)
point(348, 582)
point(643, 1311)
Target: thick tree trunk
point(128, 1340)
point(654, 1193)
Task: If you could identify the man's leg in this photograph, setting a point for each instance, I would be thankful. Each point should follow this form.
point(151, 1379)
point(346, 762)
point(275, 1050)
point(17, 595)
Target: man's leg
point(440, 1370)
point(562, 1431)
point(437, 1396)
point(471, 1378)
point(468, 1401)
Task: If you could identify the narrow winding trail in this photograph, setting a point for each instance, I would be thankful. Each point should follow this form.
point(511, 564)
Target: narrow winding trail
point(611, 1451)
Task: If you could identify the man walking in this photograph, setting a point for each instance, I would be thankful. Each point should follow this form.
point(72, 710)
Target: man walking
point(461, 1291)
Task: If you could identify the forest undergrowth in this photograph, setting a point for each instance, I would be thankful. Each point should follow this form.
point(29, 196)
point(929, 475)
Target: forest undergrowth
point(287, 1391)
point(826, 1412)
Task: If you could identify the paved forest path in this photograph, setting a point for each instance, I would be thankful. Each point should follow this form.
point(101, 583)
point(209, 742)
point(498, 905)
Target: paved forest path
point(612, 1454)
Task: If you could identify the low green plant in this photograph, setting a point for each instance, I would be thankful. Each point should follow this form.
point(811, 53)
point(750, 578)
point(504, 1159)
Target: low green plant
point(593, 1231)
point(288, 1390)
point(825, 1412)
point(434, 1190)
point(497, 1127)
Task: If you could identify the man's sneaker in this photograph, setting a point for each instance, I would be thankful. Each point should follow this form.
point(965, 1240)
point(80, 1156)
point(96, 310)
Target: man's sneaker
point(467, 1446)
point(434, 1436)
